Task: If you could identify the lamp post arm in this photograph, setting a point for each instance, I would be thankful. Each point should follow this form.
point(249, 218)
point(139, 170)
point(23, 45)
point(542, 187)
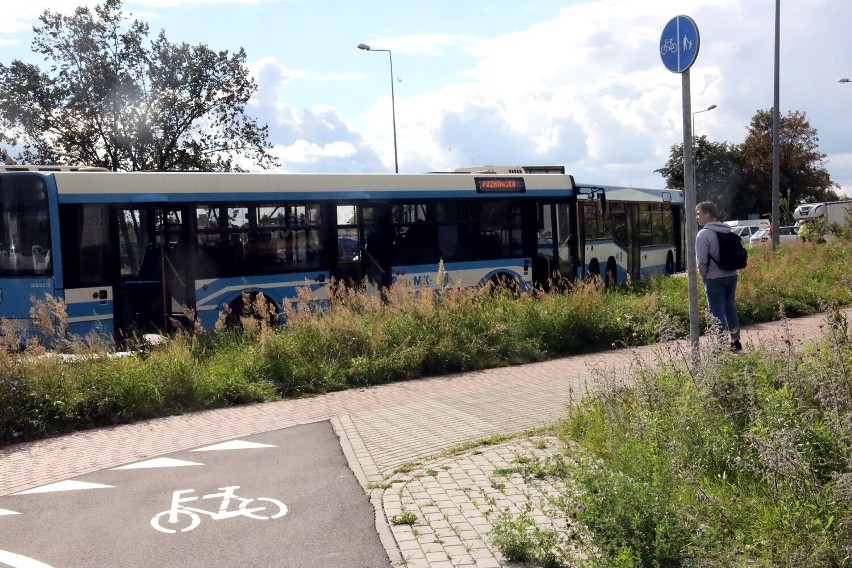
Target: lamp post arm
point(393, 114)
point(366, 47)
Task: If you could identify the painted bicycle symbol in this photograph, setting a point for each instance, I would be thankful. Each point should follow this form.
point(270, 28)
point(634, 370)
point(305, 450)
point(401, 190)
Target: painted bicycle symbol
point(667, 46)
point(183, 518)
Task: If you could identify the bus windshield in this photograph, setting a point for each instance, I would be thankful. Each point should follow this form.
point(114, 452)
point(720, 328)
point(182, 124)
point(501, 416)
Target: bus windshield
point(24, 226)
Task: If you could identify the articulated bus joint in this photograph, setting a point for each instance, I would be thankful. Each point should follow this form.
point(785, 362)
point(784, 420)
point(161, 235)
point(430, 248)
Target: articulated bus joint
point(592, 192)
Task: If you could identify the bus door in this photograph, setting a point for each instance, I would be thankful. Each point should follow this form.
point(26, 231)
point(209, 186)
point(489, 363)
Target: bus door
point(346, 263)
point(155, 273)
point(363, 245)
point(376, 244)
point(555, 261)
point(628, 235)
point(678, 237)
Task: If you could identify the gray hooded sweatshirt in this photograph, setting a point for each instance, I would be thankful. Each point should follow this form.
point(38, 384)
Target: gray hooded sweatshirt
point(707, 245)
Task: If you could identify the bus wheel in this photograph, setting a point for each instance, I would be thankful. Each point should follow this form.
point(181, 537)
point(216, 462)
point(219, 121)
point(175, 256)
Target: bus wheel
point(611, 277)
point(670, 264)
point(594, 270)
point(252, 307)
point(504, 283)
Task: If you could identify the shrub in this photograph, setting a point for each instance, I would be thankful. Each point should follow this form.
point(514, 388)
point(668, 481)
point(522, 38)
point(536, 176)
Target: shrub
point(746, 459)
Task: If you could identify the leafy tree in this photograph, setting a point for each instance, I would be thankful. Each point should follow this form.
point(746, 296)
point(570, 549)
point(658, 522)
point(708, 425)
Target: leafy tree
point(111, 98)
point(802, 166)
point(718, 174)
point(739, 177)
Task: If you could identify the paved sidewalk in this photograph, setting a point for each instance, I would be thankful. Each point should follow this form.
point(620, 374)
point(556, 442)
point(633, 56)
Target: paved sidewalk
point(383, 428)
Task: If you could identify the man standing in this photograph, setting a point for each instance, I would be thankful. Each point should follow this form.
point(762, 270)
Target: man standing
point(720, 285)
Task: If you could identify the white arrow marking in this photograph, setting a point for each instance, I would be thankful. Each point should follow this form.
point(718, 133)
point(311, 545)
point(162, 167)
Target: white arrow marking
point(158, 462)
point(7, 512)
point(69, 485)
point(233, 445)
point(18, 561)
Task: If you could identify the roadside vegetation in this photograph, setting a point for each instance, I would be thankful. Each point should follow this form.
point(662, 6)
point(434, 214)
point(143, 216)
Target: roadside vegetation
point(740, 460)
point(358, 340)
point(737, 460)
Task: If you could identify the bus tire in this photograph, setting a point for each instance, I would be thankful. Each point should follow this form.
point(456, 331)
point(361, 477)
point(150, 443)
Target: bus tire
point(611, 276)
point(254, 305)
point(504, 283)
point(594, 270)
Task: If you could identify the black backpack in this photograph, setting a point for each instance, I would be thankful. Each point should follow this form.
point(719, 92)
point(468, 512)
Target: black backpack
point(732, 253)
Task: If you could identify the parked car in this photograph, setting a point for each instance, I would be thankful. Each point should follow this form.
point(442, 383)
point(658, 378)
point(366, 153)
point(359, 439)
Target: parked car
point(746, 232)
point(759, 238)
point(789, 234)
point(785, 235)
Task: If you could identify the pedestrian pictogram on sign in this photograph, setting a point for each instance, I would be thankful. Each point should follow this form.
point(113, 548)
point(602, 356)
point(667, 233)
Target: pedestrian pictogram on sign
point(679, 44)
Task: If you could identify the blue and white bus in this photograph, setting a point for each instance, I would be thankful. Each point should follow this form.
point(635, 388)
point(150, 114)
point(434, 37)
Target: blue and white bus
point(635, 233)
point(625, 232)
point(130, 253)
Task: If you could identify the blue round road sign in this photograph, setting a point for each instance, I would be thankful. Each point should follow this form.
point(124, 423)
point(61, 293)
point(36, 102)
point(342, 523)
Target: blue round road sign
point(679, 44)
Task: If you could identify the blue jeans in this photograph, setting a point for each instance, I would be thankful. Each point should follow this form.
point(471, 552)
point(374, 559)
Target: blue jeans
point(721, 293)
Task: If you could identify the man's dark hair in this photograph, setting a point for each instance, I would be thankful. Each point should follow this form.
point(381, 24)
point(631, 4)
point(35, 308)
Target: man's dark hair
point(709, 208)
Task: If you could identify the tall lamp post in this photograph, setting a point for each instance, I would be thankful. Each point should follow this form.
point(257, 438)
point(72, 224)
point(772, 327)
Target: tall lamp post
point(694, 169)
point(366, 47)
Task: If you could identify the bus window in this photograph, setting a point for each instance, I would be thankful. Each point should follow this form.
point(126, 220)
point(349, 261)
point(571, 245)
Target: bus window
point(24, 226)
point(415, 237)
point(457, 230)
point(269, 238)
point(618, 213)
point(287, 237)
point(500, 225)
point(645, 225)
point(86, 246)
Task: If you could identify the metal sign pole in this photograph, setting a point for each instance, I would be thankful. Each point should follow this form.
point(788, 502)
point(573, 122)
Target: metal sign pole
point(679, 44)
point(689, 200)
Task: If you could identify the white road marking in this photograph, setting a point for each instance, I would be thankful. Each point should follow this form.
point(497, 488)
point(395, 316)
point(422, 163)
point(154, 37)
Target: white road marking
point(158, 462)
point(17, 561)
point(68, 485)
point(8, 512)
point(233, 445)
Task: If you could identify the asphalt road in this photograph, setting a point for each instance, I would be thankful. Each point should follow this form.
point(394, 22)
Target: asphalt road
point(281, 499)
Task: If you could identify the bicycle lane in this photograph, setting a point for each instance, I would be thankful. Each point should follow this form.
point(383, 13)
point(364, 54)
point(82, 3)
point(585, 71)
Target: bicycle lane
point(283, 498)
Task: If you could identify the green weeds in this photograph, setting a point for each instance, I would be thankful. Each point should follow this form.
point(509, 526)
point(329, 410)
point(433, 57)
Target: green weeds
point(743, 460)
point(360, 340)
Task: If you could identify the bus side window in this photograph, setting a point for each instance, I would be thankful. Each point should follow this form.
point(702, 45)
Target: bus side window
point(41, 259)
point(86, 247)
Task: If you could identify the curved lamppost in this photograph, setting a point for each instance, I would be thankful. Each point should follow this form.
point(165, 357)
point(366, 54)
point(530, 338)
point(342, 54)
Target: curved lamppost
point(694, 175)
point(366, 47)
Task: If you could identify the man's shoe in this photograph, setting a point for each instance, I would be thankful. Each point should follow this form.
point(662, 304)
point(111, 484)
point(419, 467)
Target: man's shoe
point(736, 345)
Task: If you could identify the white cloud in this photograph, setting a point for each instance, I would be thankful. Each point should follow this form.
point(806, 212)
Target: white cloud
point(305, 152)
point(583, 86)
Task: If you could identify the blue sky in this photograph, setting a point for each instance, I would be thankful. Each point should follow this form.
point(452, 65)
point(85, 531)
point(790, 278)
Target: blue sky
point(576, 83)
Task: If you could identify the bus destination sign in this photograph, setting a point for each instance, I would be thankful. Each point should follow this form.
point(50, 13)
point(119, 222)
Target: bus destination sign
point(500, 185)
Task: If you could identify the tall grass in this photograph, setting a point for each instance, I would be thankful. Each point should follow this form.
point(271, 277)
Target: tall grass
point(744, 460)
point(358, 339)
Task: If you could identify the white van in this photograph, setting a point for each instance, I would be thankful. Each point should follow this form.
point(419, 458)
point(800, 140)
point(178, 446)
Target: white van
point(747, 227)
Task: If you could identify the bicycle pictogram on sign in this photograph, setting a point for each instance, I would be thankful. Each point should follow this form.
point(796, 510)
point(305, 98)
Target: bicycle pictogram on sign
point(668, 46)
point(183, 518)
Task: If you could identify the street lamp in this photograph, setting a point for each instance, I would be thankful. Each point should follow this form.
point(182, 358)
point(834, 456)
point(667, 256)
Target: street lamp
point(711, 107)
point(366, 47)
point(694, 182)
